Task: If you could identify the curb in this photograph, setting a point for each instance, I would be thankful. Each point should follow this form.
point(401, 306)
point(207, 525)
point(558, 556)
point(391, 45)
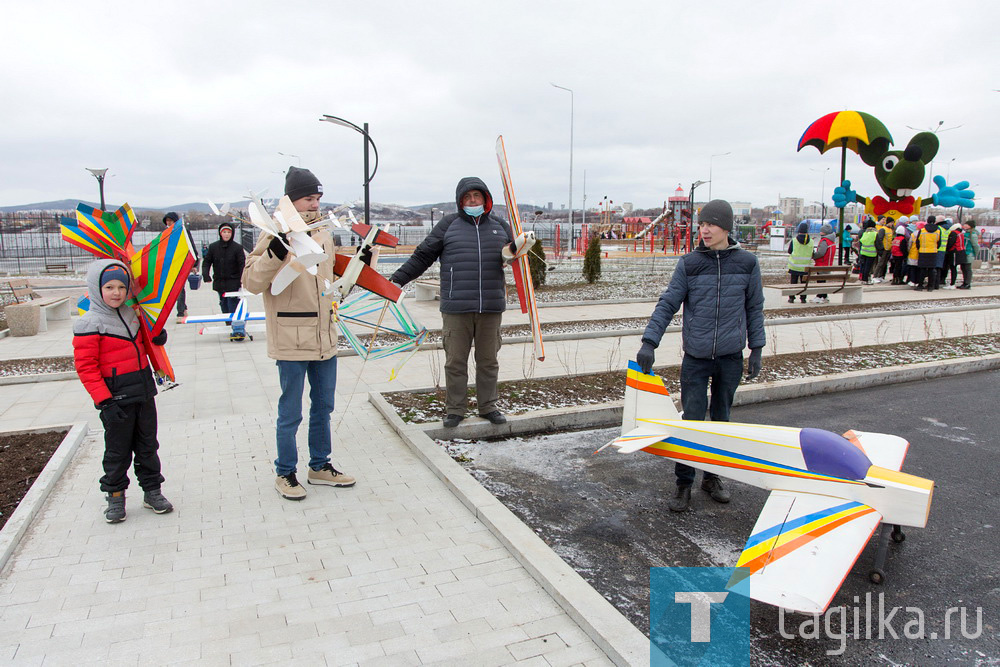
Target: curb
point(39, 377)
point(32, 502)
point(604, 624)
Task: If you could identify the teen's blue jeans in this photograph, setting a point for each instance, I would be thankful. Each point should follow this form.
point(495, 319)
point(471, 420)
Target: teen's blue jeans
point(322, 385)
point(724, 373)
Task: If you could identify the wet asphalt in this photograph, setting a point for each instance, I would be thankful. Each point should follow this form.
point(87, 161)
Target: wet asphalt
point(606, 515)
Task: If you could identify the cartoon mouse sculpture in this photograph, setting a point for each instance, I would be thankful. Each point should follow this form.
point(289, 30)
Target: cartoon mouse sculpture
point(899, 174)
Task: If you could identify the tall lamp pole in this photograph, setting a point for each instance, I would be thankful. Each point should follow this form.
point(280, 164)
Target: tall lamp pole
point(367, 140)
point(570, 156)
point(291, 155)
point(691, 206)
point(710, 171)
point(822, 196)
point(99, 175)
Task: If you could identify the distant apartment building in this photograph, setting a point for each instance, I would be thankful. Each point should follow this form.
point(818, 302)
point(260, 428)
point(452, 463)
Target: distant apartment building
point(741, 208)
point(791, 208)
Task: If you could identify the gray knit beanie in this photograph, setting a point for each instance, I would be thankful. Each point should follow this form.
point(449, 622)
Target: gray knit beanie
point(719, 213)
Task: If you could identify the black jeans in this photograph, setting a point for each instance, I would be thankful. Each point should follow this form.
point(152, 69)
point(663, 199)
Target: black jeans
point(725, 374)
point(181, 303)
point(136, 435)
point(228, 303)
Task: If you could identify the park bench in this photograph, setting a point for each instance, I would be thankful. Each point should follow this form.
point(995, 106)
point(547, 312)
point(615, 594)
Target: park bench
point(56, 268)
point(426, 290)
point(54, 308)
point(827, 280)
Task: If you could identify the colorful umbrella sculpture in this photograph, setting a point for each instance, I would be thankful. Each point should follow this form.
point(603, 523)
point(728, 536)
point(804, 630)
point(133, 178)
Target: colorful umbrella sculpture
point(844, 130)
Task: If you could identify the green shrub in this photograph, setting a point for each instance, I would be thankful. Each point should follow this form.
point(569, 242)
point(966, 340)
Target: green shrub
point(592, 260)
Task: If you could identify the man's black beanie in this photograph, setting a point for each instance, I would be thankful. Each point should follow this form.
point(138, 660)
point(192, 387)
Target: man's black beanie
point(719, 213)
point(170, 217)
point(301, 183)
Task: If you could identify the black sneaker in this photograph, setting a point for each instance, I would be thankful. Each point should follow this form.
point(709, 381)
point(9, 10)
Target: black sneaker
point(451, 421)
point(155, 501)
point(115, 512)
point(496, 417)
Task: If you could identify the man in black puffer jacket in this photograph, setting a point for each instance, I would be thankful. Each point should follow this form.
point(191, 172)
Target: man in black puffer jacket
point(720, 288)
point(228, 258)
point(469, 245)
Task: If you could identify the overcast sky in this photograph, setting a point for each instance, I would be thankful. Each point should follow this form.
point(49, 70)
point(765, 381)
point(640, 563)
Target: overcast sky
point(185, 101)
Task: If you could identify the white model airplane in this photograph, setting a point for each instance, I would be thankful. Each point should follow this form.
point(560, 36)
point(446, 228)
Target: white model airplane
point(307, 254)
point(829, 492)
point(237, 320)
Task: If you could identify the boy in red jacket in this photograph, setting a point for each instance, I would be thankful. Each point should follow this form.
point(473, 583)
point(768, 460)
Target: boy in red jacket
point(111, 361)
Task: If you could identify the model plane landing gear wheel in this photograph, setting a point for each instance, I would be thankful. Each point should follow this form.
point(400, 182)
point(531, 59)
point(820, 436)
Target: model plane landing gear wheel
point(876, 576)
point(897, 535)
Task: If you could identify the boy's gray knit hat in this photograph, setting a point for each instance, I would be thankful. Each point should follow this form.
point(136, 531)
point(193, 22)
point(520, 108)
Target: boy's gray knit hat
point(719, 213)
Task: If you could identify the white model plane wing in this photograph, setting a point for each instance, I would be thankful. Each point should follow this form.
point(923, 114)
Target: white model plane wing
point(287, 214)
point(883, 449)
point(223, 317)
point(801, 549)
point(260, 218)
point(250, 328)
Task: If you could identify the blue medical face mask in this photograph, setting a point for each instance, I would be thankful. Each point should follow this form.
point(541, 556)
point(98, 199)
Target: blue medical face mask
point(474, 211)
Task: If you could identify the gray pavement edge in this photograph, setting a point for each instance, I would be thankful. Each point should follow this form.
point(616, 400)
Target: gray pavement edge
point(32, 502)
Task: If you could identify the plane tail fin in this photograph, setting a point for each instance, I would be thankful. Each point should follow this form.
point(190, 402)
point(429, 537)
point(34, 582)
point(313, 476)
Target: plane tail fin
point(646, 397)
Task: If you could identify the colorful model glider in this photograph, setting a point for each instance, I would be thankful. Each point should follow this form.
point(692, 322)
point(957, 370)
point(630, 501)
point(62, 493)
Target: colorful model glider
point(158, 270)
point(522, 270)
point(829, 492)
point(237, 320)
point(362, 317)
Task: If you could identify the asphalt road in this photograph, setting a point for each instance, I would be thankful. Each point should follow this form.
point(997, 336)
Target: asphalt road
point(606, 515)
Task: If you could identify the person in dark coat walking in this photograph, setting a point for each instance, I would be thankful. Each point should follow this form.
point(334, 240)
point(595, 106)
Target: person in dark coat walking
point(470, 247)
point(182, 311)
point(719, 285)
point(223, 266)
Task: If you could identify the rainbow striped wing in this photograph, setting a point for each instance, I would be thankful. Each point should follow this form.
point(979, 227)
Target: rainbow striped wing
point(160, 270)
point(801, 549)
point(106, 234)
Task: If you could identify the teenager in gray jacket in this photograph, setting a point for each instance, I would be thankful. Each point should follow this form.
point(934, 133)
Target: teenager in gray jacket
point(720, 288)
point(469, 244)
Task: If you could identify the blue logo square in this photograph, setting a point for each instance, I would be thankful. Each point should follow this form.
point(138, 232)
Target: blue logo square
point(694, 619)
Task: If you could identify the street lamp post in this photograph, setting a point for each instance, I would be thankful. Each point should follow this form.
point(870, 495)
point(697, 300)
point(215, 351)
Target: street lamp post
point(710, 171)
point(291, 155)
point(936, 129)
point(822, 196)
point(691, 231)
point(570, 156)
point(99, 175)
point(367, 140)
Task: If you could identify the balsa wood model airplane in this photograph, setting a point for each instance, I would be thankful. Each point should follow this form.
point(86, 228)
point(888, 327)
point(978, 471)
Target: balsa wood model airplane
point(237, 320)
point(829, 492)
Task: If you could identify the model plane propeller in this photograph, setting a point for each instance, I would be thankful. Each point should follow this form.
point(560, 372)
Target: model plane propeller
point(829, 492)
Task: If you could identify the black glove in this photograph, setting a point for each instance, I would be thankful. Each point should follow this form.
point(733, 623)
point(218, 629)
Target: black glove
point(111, 412)
point(754, 364)
point(277, 248)
point(645, 357)
point(160, 338)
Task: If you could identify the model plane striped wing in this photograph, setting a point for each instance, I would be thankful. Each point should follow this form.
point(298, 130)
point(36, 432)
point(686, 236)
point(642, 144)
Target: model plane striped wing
point(801, 549)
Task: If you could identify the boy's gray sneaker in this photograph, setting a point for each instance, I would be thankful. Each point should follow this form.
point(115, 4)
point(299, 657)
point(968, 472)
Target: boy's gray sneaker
point(115, 512)
point(155, 501)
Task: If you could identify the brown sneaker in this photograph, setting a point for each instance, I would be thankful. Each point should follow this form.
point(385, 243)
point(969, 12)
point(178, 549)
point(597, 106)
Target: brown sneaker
point(288, 487)
point(329, 476)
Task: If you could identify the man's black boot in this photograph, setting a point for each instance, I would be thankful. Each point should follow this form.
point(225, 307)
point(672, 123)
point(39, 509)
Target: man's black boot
point(713, 486)
point(681, 500)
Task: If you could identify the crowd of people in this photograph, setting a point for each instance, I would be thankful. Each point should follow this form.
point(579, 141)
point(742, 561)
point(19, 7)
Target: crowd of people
point(922, 254)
